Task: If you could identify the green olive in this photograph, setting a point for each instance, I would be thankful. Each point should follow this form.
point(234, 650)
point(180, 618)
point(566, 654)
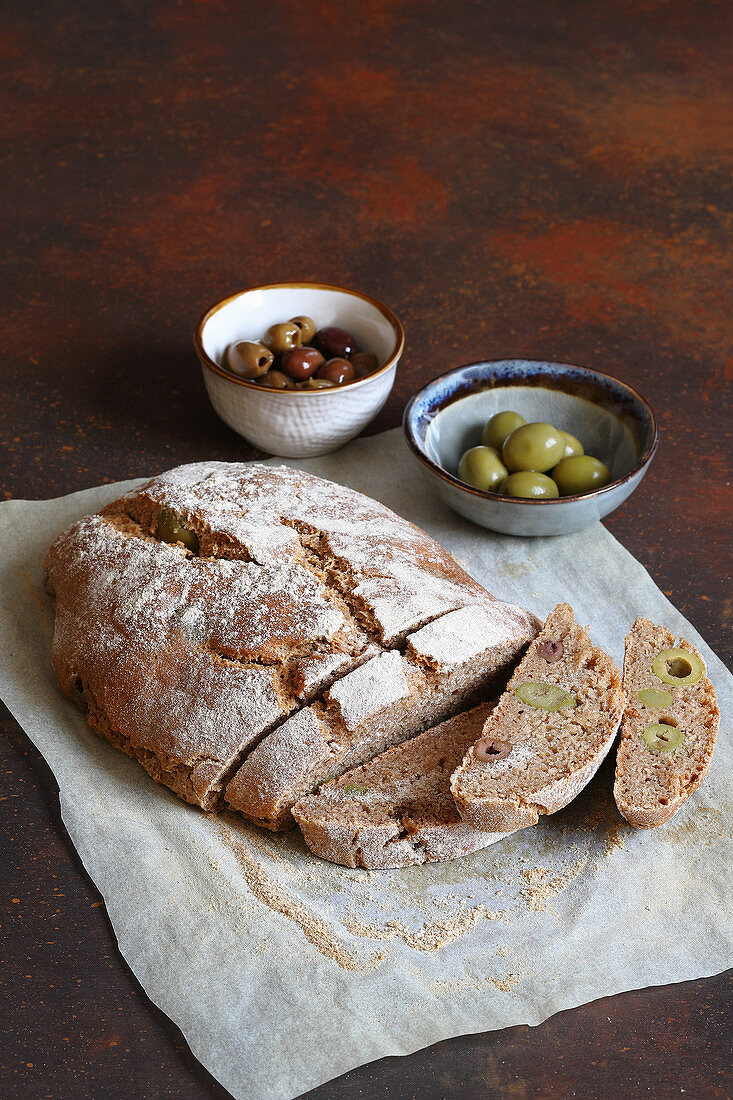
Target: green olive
point(655, 697)
point(283, 337)
point(354, 788)
point(573, 446)
point(171, 528)
point(482, 468)
point(580, 474)
point(533, 447)
point(247, 359)
point(501, 425)
point(663, 738)
point(307, 328)
point(526, 483)
point(544, 696)
point(678, 667)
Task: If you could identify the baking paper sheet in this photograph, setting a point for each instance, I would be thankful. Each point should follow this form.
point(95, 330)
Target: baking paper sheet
point(284, 971)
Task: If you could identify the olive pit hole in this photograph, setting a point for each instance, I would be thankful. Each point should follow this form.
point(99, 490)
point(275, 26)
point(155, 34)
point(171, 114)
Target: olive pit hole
point(679, 667)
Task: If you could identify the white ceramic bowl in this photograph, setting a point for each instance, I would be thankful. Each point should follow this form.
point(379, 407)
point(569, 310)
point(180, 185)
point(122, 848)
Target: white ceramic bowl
point(612, 421)
point(297, 423)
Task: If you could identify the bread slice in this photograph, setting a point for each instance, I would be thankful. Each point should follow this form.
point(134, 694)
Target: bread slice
point(652, 785)
point(447, 666)
point(397, 810)
point(533, 761)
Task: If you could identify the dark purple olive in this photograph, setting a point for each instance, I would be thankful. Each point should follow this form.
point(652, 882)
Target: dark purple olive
point(337, 371)
point(364, 363)
point(276, 380)
point(335, 343)
point(301, 363)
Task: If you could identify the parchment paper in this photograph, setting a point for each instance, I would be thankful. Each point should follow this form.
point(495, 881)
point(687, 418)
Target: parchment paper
point(284, 971)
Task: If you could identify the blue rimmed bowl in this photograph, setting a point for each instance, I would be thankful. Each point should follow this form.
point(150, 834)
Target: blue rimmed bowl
point(612, 421)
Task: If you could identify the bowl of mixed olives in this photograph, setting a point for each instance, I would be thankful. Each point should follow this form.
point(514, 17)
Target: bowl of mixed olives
point(531, 448)
point(298, 369)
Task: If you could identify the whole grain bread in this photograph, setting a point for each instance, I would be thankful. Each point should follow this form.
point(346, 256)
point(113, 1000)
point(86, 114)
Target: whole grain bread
point(446, 666)
point(186, 656)
point(651, 786)
point(396, 809)
point(531, 761)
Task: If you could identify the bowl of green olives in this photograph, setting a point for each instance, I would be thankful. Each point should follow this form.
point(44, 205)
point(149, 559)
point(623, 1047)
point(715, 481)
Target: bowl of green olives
point(531, 448)
point(298, 369)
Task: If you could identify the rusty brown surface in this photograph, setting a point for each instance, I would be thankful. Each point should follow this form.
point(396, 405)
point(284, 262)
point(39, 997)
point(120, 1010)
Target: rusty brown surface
point(514, 178)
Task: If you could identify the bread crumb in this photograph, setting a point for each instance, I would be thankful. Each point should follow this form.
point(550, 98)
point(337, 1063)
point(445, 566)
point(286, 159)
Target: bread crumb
point(314, 928)
point(431, 936)
point(506, 984)
point(540, 887)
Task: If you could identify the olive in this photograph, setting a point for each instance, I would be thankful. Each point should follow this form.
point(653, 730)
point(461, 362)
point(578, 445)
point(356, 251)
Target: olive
point(363, 363)
point(544, 696)
point(497, 430)
point(335, 343)
point(282, 337)
point(171, 528)
point(527, 483)
point(678, 667)
point(662, 737)
point(276, 380)
point(316, 384)
point(247, 359)
point(487, 749)
point(580, 474)
point(301, 363)
point(573, 446)
point(533, 447)
point(655, 697)
point(482, 468)
point(307, 328)
point(337, 371)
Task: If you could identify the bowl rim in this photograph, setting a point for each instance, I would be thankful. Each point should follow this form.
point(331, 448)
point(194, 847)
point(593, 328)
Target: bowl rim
point(211, 364)
point(646, 456)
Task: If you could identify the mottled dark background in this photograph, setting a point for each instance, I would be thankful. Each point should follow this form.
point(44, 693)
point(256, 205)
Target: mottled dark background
point(525, 178)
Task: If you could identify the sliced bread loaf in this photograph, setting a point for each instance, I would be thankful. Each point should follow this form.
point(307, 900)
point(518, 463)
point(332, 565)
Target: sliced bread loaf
point(397, 809)
point(548, 734)
point(447, 666)
point(203, 609)
point(669, 725)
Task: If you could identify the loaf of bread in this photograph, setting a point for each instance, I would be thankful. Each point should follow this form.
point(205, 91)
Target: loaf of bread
point(220, 605)
point(397, 810)
point(547, 736)
point(669, 726)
